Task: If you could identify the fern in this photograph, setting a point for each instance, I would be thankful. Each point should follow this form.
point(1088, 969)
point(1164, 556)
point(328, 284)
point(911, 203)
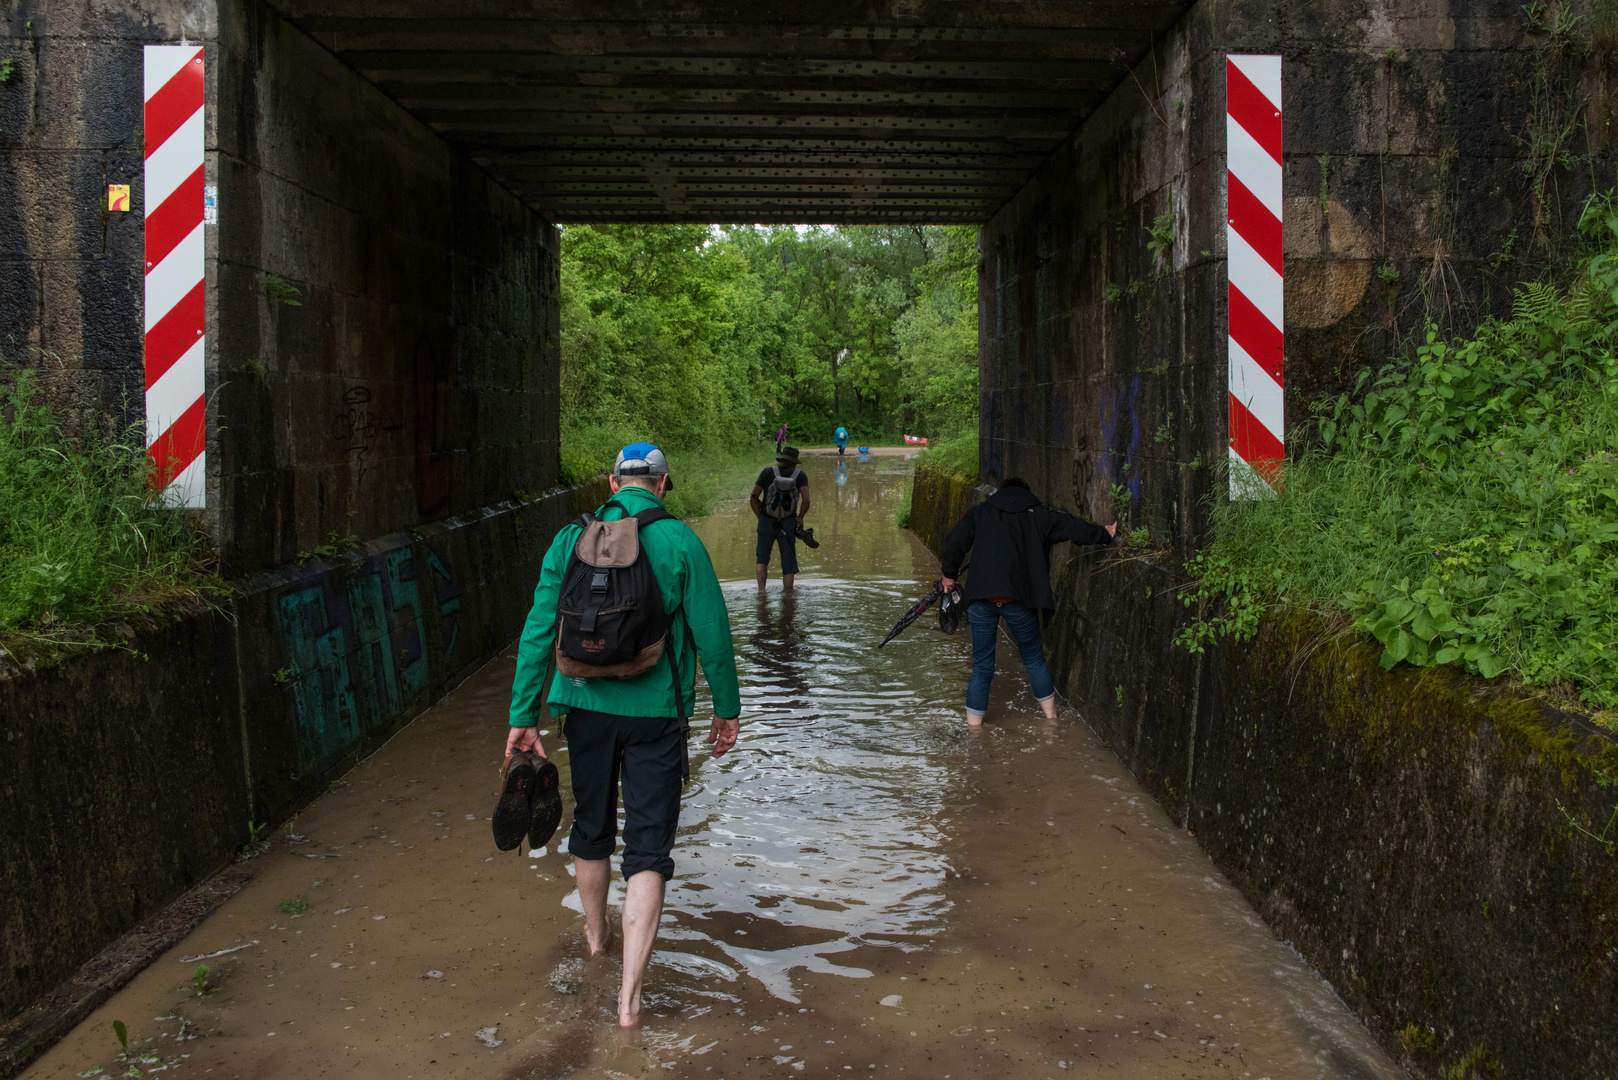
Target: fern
point(1536, 301)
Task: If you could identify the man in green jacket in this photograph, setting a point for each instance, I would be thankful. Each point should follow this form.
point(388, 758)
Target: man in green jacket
point(627, 731)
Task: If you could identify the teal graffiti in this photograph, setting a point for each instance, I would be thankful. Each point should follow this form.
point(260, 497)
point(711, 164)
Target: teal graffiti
point(355, 649)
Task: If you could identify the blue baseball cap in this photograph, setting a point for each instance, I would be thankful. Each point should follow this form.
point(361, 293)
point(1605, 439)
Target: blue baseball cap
point(642, 459)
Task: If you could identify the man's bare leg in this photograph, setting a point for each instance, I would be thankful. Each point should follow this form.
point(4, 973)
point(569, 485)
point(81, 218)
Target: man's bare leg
point(1049, 706)
point(974, 719)
point(786, 580)
point(643, 907)
point(594, 877)
point(763, 569)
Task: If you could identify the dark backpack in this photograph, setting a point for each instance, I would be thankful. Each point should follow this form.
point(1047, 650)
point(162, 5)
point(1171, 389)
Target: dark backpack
point(610, 622)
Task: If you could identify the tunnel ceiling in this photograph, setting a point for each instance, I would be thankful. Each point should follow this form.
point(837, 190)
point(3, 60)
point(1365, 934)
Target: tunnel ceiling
point(827, 112)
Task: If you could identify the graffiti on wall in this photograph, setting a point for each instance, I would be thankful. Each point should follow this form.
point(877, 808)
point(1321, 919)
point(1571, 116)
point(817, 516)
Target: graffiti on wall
point(1118, 457)
point(356, 648)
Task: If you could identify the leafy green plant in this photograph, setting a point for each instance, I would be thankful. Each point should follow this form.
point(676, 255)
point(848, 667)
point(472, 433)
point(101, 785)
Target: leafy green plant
point(1113, 292)
point(901, 513)
point(1118, 694)
point(1121, 502)
point(1477, 1064)
point(1161, 232)
point(577, 466)
point(1227, 604)
point(1463, 506)
point(293, 907)
point(200, 983)
point(131, 1060)
point(257, 840)
point(282, 677)
point(335, 547)
point(8, 68)
point(278, 290)
point(1388, 274)
point(1608, 836)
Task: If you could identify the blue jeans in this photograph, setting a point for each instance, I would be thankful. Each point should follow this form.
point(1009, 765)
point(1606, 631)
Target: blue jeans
point(1023, 622)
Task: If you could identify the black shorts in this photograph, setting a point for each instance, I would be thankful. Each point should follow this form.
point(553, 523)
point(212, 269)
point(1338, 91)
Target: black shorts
point(783, 532)
point(643, 755)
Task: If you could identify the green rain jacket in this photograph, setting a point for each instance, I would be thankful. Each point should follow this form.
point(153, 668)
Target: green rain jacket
point(685, 576)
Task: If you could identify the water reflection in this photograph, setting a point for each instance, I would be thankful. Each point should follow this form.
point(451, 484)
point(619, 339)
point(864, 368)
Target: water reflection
point(819, 833)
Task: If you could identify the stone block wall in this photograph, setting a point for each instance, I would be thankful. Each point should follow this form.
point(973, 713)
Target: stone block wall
point(413, 375)
point(382, 316)
point(71, 273)
point(1102, 365)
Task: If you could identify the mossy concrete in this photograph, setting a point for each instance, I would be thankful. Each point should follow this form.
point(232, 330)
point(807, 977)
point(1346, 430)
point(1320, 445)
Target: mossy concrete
point(130, 774)
point(1411, 832)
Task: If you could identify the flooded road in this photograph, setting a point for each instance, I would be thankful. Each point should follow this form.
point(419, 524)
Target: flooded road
point(863, 887)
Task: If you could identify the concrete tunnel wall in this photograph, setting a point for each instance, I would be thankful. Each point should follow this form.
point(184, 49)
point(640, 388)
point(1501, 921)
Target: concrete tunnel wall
point(1442, 895)
point(413, 375)
point(1403, 830)
point(1100, 365)
point(409, 398)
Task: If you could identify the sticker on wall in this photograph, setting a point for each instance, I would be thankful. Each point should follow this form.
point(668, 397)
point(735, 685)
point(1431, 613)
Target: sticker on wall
point(175, 338)
point(118, 198)
point(1254, 261)
point(210, 204)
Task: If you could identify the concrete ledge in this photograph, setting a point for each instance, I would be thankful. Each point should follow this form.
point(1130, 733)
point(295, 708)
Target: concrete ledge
point(1405, 830)
point(131, 775)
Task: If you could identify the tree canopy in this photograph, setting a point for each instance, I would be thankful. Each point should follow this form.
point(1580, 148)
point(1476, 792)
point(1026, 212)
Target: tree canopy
point(702, 336)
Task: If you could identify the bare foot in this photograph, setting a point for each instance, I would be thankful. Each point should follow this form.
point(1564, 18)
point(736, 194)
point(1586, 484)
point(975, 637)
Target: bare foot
point(629, 1014)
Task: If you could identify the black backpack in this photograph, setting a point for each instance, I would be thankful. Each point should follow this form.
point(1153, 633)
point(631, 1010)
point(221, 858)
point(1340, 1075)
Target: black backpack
point(610, 622)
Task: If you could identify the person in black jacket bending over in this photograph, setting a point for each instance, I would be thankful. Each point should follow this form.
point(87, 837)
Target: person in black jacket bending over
point(1009, 536)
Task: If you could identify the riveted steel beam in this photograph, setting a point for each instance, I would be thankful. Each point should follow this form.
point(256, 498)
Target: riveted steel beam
point(748, 110)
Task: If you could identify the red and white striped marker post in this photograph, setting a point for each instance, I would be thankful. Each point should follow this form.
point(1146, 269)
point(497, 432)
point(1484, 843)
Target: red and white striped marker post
point(175, 339)
point(1253, 247)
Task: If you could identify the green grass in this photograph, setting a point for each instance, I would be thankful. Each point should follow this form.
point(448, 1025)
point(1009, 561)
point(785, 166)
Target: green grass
point(957, 453)
point(82, 541)
point(703, 477)
point(1465, 510)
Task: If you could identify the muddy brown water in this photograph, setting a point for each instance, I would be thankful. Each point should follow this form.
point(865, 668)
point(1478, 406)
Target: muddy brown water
point(863, 888)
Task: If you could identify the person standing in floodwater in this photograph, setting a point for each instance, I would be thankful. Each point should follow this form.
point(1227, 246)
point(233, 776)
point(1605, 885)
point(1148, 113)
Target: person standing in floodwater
point(841, 436)
point(1009, 537)
point(628, 732)
point(780, 500)
point(780, 436)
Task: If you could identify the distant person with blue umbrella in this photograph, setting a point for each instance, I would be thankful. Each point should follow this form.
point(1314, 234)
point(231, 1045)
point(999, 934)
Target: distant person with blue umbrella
point(842, 440)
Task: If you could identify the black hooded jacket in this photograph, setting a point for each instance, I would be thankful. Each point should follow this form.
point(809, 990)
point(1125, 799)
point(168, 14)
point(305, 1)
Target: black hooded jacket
point(1009, 536)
